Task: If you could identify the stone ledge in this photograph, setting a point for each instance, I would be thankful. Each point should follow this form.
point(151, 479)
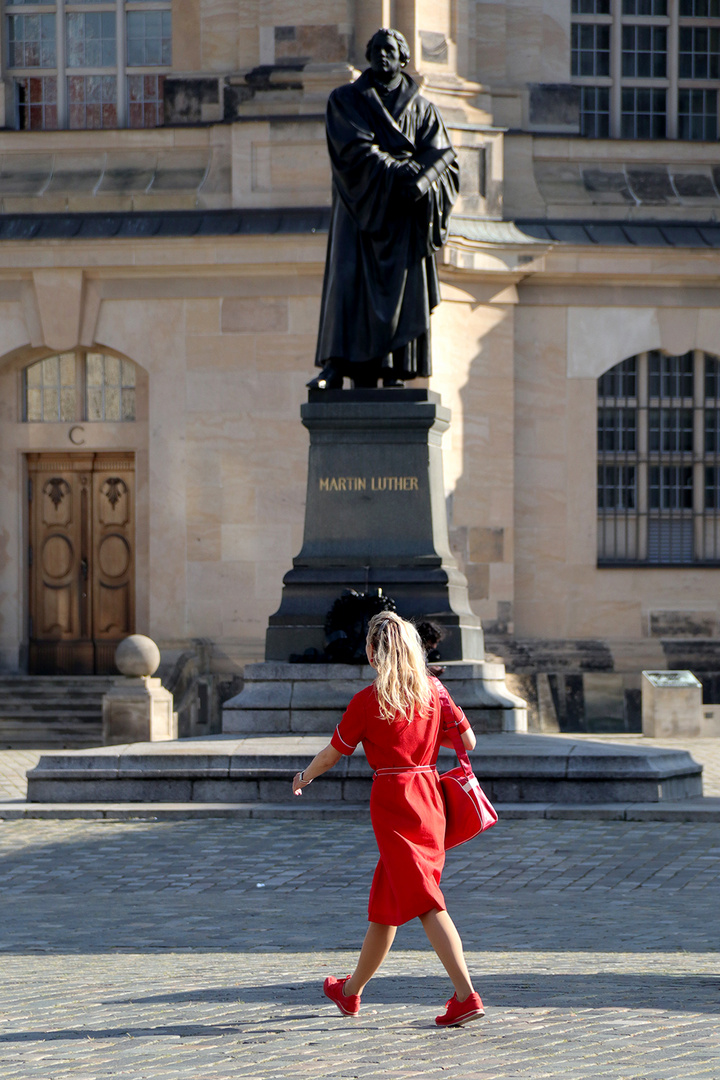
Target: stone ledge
point(698, 810)
point(227, 770)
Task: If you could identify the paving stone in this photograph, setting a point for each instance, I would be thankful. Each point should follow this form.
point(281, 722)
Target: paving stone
point(159, 950)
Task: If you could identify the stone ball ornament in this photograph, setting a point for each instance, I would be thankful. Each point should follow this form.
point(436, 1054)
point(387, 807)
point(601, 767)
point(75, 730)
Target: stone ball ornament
point(137, 655)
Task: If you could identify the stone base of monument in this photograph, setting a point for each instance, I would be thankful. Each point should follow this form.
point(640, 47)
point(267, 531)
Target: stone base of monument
point(280, 698)
point(227, 769)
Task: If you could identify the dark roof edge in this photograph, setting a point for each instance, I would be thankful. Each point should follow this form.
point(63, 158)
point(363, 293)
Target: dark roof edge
point(594, 233)
point(163, 224)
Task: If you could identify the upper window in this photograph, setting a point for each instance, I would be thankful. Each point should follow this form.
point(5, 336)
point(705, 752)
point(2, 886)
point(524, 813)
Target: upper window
point(79, 385)
point(658, 473)
point(73, 67)
point(647, 69)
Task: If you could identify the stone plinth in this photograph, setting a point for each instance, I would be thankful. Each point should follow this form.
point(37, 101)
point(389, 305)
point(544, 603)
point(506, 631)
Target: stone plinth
point(138, 709)
point(672, 704)
point(259, 769)
point(375, 517)
point(311, 698)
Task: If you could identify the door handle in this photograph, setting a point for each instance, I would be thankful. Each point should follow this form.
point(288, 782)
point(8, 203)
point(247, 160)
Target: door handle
point(84, 569)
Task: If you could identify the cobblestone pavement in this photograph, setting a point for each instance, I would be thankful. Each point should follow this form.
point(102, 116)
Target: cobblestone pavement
point(157, 951)
point(14, 764)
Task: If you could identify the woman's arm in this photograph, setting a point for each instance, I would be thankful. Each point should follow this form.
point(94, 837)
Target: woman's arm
point(320, 764)
point(468, 740)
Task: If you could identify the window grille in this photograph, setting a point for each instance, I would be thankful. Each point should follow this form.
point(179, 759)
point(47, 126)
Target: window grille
point(698, 115)
point(643, 114)
point(591, 7)
point(590, 52)
point(647, 69)
point(79, 385)
point(644, 7)
point(700, 9)
point(658, 446)
point(644, 52)
point(595, 112)
point(77, 66)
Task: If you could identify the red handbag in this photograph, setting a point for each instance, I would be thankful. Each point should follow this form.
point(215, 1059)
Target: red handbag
point(468, 811)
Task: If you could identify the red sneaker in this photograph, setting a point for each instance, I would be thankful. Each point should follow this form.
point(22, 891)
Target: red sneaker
point(348, 1004)
point(461, 1012)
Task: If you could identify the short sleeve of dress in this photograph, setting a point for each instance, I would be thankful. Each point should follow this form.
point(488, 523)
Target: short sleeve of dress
point(351, 728)
point(451, 715)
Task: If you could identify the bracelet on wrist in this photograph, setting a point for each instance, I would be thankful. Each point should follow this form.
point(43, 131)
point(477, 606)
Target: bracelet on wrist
point(303, 781)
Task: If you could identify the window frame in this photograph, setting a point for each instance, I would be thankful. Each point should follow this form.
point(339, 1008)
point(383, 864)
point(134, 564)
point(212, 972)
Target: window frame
point(80, 386)
point(658, 499)
point(62, 71)
point(684, 119)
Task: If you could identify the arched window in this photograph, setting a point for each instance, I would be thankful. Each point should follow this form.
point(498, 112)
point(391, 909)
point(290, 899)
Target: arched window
point(658, 488)
point(79, 385)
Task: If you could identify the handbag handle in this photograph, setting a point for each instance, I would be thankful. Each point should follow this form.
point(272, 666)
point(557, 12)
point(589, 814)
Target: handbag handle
point(461, 751)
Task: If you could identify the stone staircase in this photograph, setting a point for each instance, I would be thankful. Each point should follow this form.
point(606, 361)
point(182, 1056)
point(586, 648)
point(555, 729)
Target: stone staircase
point(44, 712)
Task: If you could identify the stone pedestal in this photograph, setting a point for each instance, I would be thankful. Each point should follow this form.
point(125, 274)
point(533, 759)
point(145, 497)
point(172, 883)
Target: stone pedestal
point(138, 709)
point(303, 699)
point(375, 518)
point(671, 704)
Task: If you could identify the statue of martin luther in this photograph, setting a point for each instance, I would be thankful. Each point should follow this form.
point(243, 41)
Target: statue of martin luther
point(395, 179)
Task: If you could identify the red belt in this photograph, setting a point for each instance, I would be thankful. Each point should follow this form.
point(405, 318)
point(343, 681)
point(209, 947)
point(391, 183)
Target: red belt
point(403, 769)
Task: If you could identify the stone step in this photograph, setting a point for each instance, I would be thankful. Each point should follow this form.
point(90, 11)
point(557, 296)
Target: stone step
point(41, 708)
point(224, 769)
point(48, 712)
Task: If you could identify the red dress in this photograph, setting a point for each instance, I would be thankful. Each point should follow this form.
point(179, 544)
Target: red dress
point(406, 808)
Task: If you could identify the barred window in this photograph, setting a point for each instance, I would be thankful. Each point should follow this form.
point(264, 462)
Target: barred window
point(31, 41)
point(658, 490)
point(79, 385)
point(37, 103)
point(699, 56)
point(644, 52)
point(644, 7)
point(145, 100)
point(595, 112)
point(698, 115)
point(92, 101)
point(90, 39)
point(148, 38)
point(591, 7)
point(700, 9)
point(109, 388)
point(95, 73)
point(590, 49)
point(643, 114)
point(647, 69)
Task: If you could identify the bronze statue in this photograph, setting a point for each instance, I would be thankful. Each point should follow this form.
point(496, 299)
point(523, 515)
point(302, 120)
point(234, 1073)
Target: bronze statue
point(395, 179)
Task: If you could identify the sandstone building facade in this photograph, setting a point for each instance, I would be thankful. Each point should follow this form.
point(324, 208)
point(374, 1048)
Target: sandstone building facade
point(164, 194)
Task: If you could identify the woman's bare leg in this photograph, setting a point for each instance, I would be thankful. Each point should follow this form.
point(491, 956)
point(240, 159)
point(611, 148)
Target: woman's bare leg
point(375, 948)
point(445, 940)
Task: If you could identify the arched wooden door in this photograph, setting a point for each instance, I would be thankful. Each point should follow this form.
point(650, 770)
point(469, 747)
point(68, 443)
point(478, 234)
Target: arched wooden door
point(82, 561)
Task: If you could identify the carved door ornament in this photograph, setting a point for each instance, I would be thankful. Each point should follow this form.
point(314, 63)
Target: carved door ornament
point(56, 490)
point(113, 489)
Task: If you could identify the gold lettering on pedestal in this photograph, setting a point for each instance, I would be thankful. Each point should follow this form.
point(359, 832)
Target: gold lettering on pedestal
point(377, 483)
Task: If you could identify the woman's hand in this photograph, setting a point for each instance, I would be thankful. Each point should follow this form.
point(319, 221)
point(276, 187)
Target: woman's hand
point(299, 783)
point(323, 761)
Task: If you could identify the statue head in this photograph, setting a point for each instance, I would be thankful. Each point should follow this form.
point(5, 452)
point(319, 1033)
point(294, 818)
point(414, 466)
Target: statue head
point(388, 52)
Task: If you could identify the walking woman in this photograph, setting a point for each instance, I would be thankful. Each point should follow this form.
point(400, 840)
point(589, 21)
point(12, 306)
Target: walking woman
point(402, 723)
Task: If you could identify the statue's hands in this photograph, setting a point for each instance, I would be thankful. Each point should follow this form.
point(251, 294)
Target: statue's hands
point(406, 179)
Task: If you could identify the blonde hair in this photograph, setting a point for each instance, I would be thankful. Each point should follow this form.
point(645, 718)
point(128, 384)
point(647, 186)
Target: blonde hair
point(402, 683)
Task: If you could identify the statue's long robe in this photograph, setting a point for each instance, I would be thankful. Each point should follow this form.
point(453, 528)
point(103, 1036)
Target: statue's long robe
point(381, 281)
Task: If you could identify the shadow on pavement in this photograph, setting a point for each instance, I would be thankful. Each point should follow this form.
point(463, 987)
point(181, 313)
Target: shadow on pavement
point(597, 990)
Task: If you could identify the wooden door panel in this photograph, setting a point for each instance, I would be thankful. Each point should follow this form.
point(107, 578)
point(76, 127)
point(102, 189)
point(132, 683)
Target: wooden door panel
point(82, 597)
point(113, 563)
